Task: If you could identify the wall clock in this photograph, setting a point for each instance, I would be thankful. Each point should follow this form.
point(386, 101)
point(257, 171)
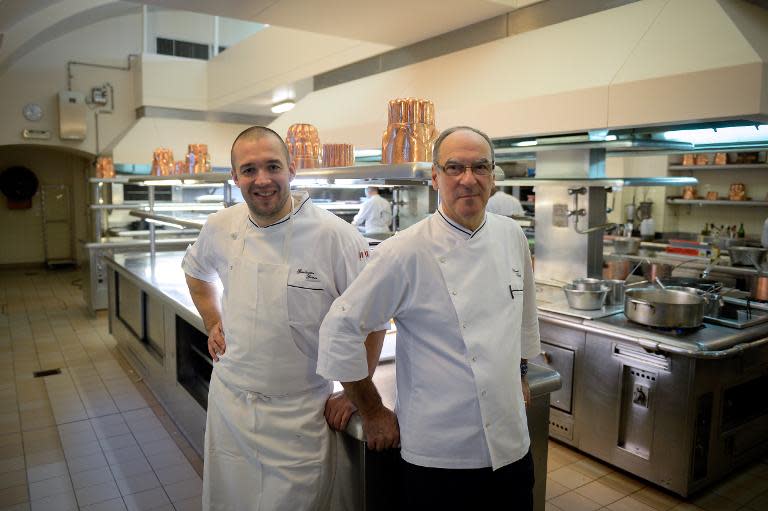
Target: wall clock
point(32, 112)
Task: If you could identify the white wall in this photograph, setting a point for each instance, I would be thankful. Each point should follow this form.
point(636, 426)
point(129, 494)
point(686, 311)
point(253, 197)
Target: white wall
point(22, 230)
point(42, 73)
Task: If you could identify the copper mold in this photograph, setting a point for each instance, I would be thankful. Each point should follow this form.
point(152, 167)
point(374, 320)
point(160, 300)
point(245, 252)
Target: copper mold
point(338, 155)
point(304, 147)
point(410, 133)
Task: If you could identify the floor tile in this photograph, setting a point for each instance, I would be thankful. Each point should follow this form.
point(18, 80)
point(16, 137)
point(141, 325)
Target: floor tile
point(553, 489)
point(60, 502)
point(91, 477)
point(600, 492)
point(193, 504)
point(97, 493)
point(569, 478)
point(657, 499)
point(47, 487)
point(175, 473)
point(130, 468)
point(13, 495)
point(46, 471)
point(629, 504)
point(138, 483)
point(573, 501)
point(88, 462)
point(147, 500)
point(713, 502)
point(109, 505)
point(184, 489)
point(11, 464)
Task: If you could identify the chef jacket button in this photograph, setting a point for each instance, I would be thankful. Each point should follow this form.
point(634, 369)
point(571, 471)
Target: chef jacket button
point(234, 236)
point(487, 424)
point(342, 308)
point(474, 359)
point(453, 293)
point(442, 259)
point(463, 325)
point(483, 393)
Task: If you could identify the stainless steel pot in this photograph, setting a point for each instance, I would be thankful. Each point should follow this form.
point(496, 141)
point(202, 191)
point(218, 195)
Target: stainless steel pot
point(616, 291)
point(712, 301)
point(664, 308)
point(747, 256)
point(585, 299)
point(626, 245)
point(587, 284)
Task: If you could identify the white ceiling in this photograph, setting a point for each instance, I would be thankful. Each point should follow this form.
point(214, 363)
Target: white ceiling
point(393, 22)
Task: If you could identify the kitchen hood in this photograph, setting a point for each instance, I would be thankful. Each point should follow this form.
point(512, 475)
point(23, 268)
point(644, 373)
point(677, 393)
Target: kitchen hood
point(648, 63)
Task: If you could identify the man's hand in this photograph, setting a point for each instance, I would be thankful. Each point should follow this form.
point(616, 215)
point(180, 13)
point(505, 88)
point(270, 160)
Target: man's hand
point(338, 410)
point(381, 429)
point(216, 344)
point(526, 392)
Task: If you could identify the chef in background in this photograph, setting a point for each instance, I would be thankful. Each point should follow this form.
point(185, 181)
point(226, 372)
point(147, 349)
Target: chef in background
point(459, 286)
point(504, 204)
point(282, 261)
point(376, 213)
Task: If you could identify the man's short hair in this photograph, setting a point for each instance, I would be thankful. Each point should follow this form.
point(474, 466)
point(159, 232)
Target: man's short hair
point(441, 138)
point(256, 133)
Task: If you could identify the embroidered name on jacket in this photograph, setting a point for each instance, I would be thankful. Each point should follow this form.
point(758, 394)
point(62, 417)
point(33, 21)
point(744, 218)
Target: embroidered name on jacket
point(308, 274)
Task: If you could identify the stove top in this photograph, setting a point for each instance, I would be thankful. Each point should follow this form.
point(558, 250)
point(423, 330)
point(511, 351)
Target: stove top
point(737, 313)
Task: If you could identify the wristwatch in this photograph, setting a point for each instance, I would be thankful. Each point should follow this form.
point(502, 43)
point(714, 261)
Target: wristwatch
point(523, 368)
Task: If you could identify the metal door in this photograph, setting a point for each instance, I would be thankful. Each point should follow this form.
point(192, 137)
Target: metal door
point(57, 222)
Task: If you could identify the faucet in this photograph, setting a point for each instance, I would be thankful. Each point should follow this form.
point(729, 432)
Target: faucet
point(712, 261)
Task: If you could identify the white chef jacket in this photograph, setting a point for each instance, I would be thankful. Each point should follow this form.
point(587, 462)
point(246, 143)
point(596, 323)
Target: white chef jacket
point(326, 254)
point(375, 214)
point(459, 397)
point(504, 204)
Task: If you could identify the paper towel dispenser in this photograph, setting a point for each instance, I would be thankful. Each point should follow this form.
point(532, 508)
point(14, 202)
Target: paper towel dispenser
point(72, 112)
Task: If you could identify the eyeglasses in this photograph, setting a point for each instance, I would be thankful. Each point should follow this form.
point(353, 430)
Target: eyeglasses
point(480, 168)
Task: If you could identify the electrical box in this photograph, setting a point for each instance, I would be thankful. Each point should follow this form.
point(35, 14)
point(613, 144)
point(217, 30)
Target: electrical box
point(72, 115)
point(99, 96)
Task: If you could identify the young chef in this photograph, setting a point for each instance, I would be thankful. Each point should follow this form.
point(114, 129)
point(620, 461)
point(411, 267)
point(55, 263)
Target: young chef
point(281, 261)
point(460, 288)
point(376, 213)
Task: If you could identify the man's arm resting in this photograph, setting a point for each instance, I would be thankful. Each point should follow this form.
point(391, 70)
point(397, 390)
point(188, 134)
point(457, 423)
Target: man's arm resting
point(339, 408)
point(379, 422)
point(205, 296)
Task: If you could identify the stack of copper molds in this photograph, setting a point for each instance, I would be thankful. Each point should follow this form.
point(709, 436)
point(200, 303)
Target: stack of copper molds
point(304, 146)
point(105, 168)
point(338, 155)
point(162, 162)
point(198, 160)
point(411, 131)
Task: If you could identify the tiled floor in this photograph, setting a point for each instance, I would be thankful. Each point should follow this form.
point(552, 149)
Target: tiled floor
point(93, 437)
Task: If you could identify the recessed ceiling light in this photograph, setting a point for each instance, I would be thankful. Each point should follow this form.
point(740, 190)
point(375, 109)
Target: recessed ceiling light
point(283, 106)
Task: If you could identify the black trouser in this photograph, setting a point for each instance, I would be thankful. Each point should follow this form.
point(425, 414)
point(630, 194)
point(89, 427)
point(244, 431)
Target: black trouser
point(510, 487)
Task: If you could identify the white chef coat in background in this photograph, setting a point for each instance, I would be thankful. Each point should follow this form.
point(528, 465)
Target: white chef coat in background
point(504, 204)
point(375, 215)
point(464, 304)
point(267, 446)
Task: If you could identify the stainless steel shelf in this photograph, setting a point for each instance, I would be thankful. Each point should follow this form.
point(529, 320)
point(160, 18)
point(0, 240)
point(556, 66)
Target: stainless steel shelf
point(176, 206)
point(169, 219)
point(751, 166)
point(417, 171)
point(178, 179)
point(703, 202)
point(601, 181)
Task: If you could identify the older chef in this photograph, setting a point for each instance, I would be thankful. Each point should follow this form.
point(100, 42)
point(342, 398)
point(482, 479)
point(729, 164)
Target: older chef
point(281, 261)
point(460, 288)
point(504, 204)
point(376, 213)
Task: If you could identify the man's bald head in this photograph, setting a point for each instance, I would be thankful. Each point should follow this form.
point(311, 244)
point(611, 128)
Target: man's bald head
point(256, 133)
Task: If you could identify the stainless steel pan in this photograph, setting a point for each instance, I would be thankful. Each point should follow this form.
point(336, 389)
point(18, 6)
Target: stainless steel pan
point(664, 307)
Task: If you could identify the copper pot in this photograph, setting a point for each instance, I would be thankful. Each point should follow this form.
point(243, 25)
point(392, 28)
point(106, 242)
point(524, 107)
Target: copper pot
point(689, 192)
point(410, 133)
point(737, 191)
point(759, 287)
point(304, 147)
point(615, 268)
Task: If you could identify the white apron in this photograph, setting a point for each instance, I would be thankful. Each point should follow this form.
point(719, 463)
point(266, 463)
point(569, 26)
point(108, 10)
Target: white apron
point(267, 448)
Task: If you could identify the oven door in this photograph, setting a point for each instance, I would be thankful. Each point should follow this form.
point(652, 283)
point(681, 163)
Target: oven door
point(561, 360)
